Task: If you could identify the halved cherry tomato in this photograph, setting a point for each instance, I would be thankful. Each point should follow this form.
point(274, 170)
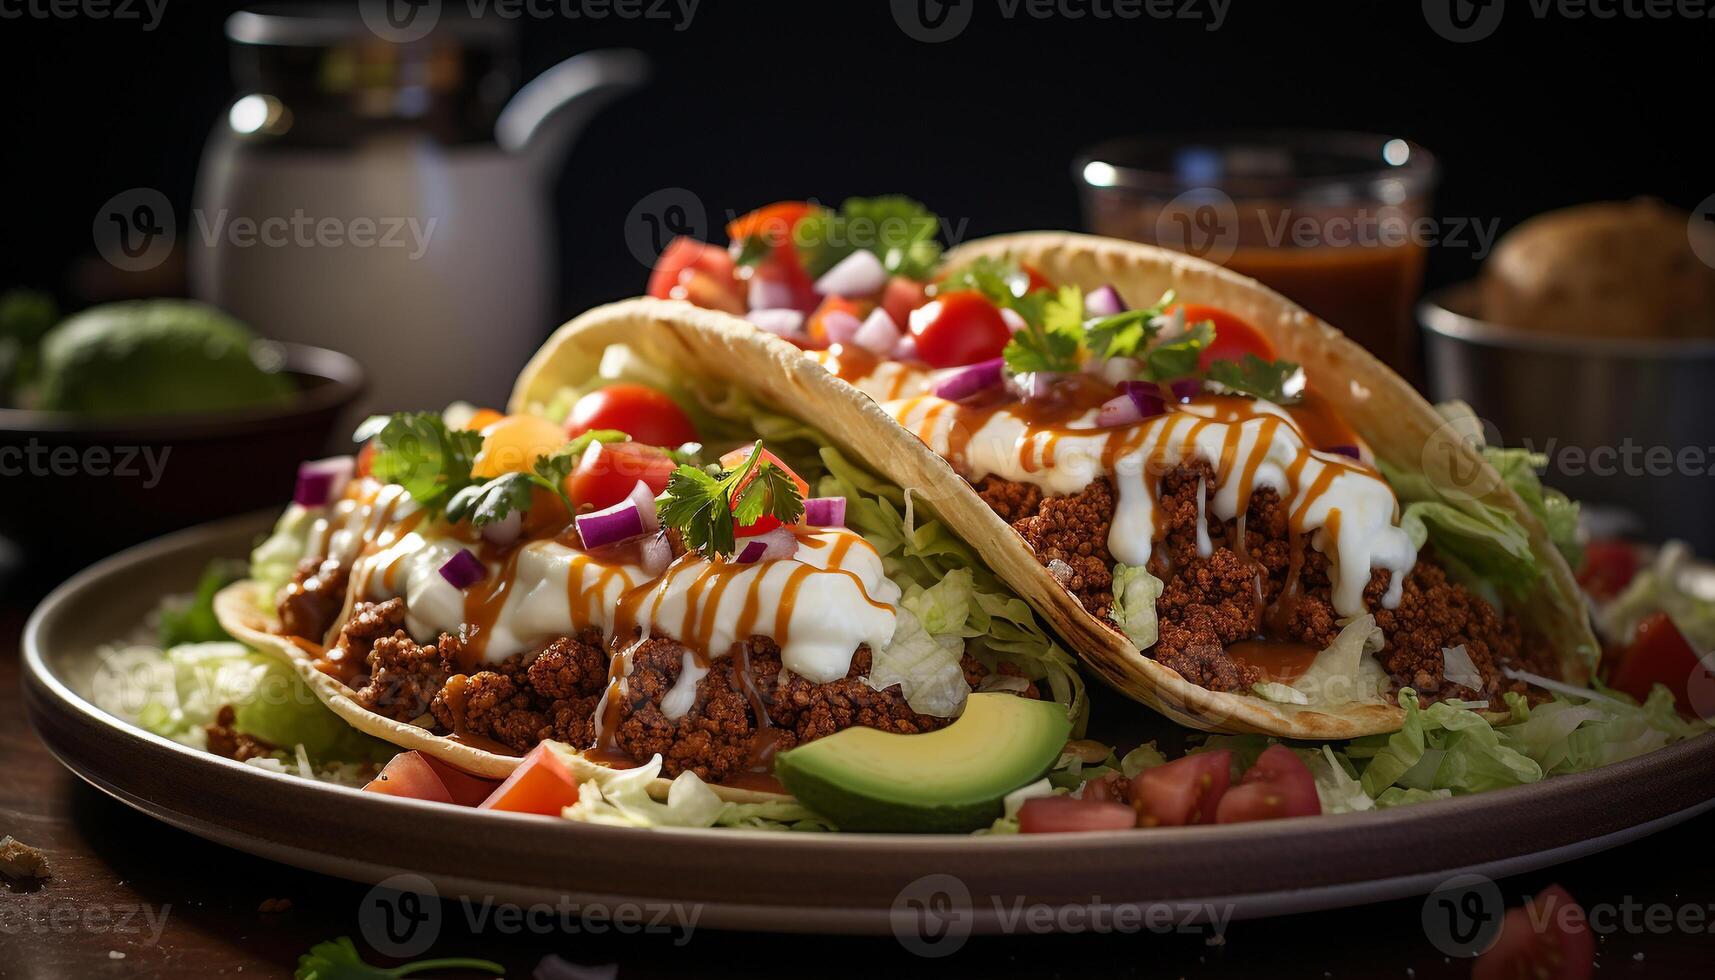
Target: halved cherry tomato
point(465, 789)
point(901, 296)
point(409, 774)
point(1659, 654)
point(1063, 814)
point(514, 443)
point(1278, 785)
point(816, 325)
point(646, 415)
point(698, 273)
point(1549, 938)
point(1608, 567)
point(541, 784)
point(766, 522)
point(482, 418)
point(1234, 337)
point(1185, 791)
point(608, 471)
point(959, 328)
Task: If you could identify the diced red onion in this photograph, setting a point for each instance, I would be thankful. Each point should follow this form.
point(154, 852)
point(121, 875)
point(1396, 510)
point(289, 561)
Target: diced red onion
point(825, 511)
point(1104, 301)
point(657, 554)
point(1351, 451)
point(779, 322)
point(321, 480)
point(1032, 385)
point(610, 524)
point(464, 570)
point(769, 294)
point(877, 333)
point(840, 326)
point(644, 499)
point(906, 349)
point(1186, 389)
point(1136, 401)
point(858, 274)
point(773, 545)
point(970, 379)
point(504, 531)
point(1013, 320)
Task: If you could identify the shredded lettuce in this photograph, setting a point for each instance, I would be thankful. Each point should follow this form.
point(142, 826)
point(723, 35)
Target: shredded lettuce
point(620, 798)
point(1135, 592)
point(1558, 512)
point(1007, 822)
point(925, 665)
point(274, 560)
point(1345, 672)
point(191, 619)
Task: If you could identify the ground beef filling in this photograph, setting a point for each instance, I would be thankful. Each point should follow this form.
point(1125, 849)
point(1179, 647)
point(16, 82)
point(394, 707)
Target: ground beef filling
point(312, 600)
point(1236, 593)
point(554, 690)
point(226, 740)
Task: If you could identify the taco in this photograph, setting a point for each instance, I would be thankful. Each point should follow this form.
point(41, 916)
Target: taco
point(666, 575)
point(1232, 512)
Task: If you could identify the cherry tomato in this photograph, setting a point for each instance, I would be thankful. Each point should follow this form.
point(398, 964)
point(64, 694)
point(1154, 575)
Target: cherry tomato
point(1063, 814)
point(1185, 791)
point(609, 470)
point(1278, 785)
point(816, 327)
point(641, 412)
point(1234, 338)
point(541, 784)
point(1659, 654)
point(514, 443)
point(1608, 567)
point(901, 296)
point(959, 328)
point(766, 522)
point(1549, 939)
point(409, 774)
point(697, 273)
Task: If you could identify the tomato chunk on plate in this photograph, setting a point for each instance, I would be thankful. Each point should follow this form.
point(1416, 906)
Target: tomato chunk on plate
point(541, 784)
point(1550, 937)
point(1063, 814)
point(409, 774)
point(1185, 791)
point(1278, 785)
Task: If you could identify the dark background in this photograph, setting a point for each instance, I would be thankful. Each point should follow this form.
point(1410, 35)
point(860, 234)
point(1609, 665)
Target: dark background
point(759, 101)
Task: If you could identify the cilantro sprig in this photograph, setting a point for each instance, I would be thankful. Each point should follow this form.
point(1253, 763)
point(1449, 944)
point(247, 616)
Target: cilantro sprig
point(338, 960)
point(1281, 382)
point(705, 506)
point(418, 451)
point(494, 500)
point(897, 230)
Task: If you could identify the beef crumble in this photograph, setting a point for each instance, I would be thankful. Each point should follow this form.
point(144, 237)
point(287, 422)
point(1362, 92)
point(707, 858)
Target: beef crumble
point(312, 600)
point(1249, 588)
point(225, 740)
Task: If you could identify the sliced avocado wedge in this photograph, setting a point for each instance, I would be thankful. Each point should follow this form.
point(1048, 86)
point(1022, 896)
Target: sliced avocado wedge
point(947, 781)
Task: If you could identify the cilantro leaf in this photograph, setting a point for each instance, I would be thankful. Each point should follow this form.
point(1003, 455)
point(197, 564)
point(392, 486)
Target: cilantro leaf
point(897, 230)
point(338, 960)
point(1177, 356)
point(1052, 335)
point(1124, 334)
point(420, 453)
point(1001, 281)
point(705, 507)
point(486, 503)
point(1281, 382)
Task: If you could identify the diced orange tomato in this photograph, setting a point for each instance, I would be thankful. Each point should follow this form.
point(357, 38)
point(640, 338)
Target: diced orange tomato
point(514, 443)
point(541, 784)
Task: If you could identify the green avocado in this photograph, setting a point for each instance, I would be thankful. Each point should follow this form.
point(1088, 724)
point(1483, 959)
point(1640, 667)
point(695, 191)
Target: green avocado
point(947, 781)
point(154, 357)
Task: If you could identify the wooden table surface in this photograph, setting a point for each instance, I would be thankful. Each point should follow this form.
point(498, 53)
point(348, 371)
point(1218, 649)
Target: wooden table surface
point(130, 897)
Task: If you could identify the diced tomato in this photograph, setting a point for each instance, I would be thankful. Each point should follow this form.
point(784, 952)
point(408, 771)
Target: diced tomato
point(1185, 791)
point(1034, 280)
point(698, 273)
point(1104, 788)
point(774, 225)
point(1659, 654)
point(541, 784)
point(646, 415)
point(1063, 814)
point(513, 444)
point(1234, 337)
point(816, 325)
point(766, 522)
point(1608, 567)
point(465, 789)
point(1550, 938)
point(959, 328)
point(774, 222)
point(366, 459)
point(409, 774)
point(901, 296)
point(609, 470)
point(1278, 785)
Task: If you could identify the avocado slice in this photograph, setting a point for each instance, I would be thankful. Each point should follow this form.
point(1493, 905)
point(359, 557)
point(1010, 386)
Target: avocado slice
point(948, 781)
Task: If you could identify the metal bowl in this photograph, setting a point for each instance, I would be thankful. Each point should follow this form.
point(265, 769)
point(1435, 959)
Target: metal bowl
point(1628, 425)
point(78, 487)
